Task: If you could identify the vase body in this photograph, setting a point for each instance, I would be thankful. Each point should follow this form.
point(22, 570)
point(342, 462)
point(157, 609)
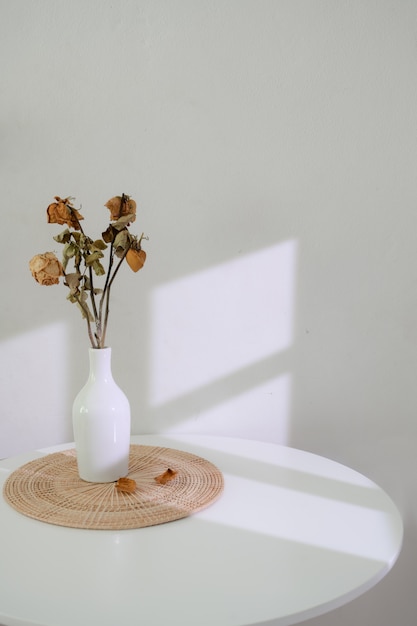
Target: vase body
point(101, 423)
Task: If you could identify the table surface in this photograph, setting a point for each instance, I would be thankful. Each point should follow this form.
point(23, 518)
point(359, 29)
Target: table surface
point(293, 536)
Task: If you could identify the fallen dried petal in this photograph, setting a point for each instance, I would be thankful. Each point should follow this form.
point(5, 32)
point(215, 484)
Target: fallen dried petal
point(164, 478)
point(126, 484)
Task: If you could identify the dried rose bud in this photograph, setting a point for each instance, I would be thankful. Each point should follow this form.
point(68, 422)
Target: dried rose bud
point(46, 269)
point(164, 478)
point(127, 485)
point(62, 212)
point(119, 206)
point(136, 259)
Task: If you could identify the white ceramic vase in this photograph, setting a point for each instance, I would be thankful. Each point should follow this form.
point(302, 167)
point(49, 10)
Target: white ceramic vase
point(101, 423)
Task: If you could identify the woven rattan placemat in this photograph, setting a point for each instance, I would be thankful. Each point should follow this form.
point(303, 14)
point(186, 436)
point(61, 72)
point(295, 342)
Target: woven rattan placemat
point(49, 489)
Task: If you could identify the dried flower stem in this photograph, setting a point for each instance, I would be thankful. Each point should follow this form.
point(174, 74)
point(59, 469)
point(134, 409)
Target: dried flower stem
point(90, 334)
point(106, 284)
point(106, 294)
point(90, 273)
point(93, 295)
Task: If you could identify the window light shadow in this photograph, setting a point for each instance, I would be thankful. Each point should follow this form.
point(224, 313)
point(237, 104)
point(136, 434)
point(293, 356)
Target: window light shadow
point(255, 399)
point(219, 344)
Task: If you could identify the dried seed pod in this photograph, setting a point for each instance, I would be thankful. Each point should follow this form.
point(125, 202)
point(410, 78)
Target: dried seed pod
point(136, 259)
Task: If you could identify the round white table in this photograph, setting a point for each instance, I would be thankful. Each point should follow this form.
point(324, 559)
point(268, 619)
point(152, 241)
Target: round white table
point(292, 536)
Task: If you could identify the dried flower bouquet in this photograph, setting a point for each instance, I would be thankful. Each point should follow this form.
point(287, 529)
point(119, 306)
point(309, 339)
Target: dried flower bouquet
point(86, 255)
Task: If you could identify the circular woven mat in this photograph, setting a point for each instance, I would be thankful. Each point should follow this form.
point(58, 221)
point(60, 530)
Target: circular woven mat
point(50, 490)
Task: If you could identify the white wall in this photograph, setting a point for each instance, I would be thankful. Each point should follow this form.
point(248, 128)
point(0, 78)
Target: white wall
point(271, 146)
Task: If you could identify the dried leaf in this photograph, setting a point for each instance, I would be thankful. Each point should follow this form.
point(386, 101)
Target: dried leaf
point(79, 238)
point(98, 268)
point(122, 222)
point(98, 244)
point(121, 241)
point(73, 280)
point(90, 259)
point(63, 237)
point(87, 286)
point(109, 234)
point(69, 251)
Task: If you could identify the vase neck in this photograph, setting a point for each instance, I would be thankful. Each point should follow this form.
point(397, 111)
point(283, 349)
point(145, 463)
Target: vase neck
point(100, 364)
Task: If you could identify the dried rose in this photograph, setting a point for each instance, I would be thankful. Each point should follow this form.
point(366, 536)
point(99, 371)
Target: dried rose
point(136, 259)
point(62, 212)
point(120, 206)
point(46, 269)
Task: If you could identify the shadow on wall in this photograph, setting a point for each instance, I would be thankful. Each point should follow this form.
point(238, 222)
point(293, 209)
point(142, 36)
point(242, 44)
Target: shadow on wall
point(34, 381)
point(220, 345)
